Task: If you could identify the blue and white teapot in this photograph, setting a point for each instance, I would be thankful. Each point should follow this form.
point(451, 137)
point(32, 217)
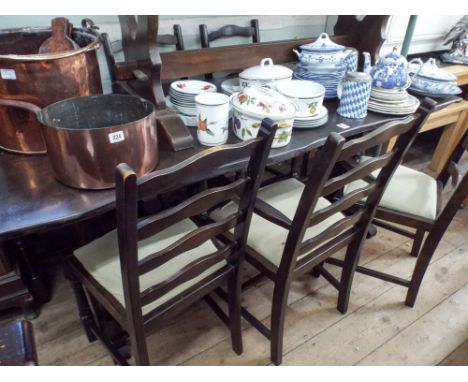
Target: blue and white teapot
point(325, 51)
point(389, 72)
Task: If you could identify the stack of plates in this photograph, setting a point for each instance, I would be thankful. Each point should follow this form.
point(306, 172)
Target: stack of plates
point(316, 120)
point(230, 86)
point(328, 78)
point(182, 94)
point(392, 101)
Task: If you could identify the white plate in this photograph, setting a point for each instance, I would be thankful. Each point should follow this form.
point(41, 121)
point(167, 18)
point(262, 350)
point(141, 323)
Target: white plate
point(321, 112)
point(192, 87)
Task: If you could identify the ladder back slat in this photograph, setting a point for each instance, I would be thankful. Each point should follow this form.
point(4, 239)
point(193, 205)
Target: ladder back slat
point(190, 271)
point(335, 229)
point(191, 240)
point(343, 204)
point(376, 137)
point(195, 205)
point(357, 172)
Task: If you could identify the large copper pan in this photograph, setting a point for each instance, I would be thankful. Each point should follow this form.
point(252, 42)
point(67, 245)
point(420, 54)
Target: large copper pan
point(41, 79)
point(87, 137)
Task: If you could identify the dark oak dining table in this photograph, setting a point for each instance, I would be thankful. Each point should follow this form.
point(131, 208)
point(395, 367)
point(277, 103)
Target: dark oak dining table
point(33, 201)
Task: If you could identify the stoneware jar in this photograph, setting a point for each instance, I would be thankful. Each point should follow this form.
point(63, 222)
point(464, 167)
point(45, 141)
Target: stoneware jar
point(265, 74)
point(251, 105)
point(354, 95)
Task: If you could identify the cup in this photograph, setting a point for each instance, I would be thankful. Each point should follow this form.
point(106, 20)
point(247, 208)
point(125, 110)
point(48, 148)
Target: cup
point(212, 118)
point(354, 93)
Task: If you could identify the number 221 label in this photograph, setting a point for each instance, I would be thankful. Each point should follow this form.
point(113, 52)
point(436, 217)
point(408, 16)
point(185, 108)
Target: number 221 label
point(118, 136)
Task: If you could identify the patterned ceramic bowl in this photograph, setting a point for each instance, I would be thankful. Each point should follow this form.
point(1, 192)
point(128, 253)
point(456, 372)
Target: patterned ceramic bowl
point(253, 104)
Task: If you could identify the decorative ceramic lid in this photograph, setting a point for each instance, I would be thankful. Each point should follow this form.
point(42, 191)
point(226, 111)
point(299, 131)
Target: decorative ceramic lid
point(430, 70)
point(266, 71)
point(323, 44)
point(393, 58)
point(263, 102)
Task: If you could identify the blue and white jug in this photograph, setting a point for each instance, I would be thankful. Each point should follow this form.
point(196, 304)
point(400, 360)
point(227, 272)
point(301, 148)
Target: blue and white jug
point(354, 93)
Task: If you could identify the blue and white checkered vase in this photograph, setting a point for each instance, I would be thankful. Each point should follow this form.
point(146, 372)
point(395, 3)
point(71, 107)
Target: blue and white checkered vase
point(354, 98)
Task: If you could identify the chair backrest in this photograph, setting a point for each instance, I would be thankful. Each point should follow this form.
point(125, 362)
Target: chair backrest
point(324, 182)
point(229, 31)
point(131, 228)
point(175, 39)
point(459, 183)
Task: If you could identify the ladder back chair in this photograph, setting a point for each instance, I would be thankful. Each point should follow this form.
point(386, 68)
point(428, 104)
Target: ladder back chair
point(229, 31)
point(295, 228)
point(414, 200)
point(153, 266)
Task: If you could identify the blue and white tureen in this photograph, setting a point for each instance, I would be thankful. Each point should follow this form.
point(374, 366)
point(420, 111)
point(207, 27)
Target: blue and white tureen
point(325, 51)
point(431, 79)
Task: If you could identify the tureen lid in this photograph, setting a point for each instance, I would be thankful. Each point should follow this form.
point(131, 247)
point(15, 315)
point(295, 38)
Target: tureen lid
point(322, 44)
point(266, 71)
point(430, 70)
point(263, 102)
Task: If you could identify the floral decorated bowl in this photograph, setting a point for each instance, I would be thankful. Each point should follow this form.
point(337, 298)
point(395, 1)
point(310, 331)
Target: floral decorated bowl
point(265, 74)
point(253, 104)
point(307, 96)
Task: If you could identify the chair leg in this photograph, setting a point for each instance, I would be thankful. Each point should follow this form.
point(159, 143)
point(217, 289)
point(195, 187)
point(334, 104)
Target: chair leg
point(234, 306)
point(418, 240)
point(278, 311)
point(347, 274)
point(420, 268)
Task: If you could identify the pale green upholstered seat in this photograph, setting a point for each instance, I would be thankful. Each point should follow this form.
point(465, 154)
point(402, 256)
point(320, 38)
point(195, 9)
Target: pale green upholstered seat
point(408, 191)
point(101, 260)
point(268, 238)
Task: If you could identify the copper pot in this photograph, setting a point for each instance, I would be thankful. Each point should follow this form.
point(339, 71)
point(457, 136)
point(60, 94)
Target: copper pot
point(41, 79)
point(87, 137)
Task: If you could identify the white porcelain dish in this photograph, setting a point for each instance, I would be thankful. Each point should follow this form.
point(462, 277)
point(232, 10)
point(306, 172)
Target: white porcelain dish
point(307, 96)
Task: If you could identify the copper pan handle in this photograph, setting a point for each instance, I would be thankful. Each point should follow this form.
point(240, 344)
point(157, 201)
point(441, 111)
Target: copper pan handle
point(21, 105)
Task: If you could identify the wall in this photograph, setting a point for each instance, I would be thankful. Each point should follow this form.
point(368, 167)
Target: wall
point(428, 34)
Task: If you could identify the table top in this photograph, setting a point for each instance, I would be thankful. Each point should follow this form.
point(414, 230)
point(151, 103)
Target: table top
point(33, 201)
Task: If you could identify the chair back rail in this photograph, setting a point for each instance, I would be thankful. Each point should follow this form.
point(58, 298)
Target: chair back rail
point(229, 31)
point(131, 229)
point(188, 242)
point(193, 206)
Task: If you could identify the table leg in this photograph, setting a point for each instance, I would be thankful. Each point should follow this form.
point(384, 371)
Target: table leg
point(36, 284)
point(448, 141)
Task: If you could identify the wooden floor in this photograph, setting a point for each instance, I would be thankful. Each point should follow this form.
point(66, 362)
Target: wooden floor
point(377, 330)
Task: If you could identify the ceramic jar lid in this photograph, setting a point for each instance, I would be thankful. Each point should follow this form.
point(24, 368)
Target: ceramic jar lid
point(358, 77)
point(430, 70)
point(266, 71)
point(323, 44)
point(263, 102)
